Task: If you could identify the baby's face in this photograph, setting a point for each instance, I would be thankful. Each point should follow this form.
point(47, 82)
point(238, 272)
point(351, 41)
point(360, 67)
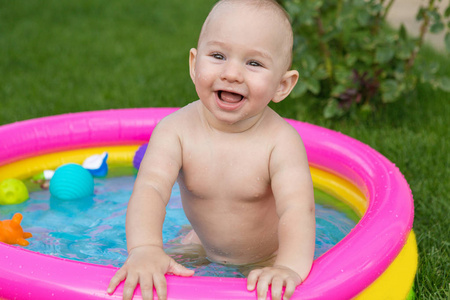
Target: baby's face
point(240, 61)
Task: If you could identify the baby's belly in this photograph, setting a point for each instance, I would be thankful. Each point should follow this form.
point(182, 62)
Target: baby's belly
point(236, 223)
point(236, 240)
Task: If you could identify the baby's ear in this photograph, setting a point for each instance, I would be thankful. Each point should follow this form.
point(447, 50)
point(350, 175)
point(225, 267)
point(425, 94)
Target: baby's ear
point(192, 58)
point(287, 83)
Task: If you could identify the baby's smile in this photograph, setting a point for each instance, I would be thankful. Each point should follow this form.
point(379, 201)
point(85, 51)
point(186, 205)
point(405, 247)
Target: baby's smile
point(229, 97)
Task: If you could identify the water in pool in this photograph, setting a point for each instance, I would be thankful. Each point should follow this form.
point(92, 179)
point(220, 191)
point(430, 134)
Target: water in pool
point(93, 229)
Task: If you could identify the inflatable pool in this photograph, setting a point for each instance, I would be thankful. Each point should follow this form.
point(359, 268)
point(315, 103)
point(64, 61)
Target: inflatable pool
point(377, 260)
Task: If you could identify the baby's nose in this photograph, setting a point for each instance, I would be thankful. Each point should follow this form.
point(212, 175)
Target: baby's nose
point(232, 72)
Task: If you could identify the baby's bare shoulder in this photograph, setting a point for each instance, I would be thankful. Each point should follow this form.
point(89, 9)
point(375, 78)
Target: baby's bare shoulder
point(181, 114)
point(278, 129)
point(179, 119)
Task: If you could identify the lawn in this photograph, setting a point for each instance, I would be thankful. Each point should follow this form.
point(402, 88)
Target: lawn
point(68, 56)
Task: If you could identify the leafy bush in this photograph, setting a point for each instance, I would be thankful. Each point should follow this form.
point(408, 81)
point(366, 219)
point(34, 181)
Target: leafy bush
point(352, 61)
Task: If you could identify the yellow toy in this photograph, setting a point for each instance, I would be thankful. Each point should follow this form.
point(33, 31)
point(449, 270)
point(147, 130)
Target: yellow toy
point(13, 191)
point(12, 233)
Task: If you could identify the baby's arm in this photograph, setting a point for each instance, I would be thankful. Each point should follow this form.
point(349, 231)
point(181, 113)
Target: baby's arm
point(294, 195)
point(147, 262)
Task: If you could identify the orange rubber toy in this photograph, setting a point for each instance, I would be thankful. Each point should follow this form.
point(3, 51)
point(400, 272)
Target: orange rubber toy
point(12, 233)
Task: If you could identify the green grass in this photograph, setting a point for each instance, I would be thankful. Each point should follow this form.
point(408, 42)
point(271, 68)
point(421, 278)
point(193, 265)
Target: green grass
point(68, 56)
point(65, 56)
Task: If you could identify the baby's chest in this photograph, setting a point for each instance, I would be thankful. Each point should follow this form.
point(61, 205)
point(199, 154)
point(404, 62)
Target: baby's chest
point(233, 172)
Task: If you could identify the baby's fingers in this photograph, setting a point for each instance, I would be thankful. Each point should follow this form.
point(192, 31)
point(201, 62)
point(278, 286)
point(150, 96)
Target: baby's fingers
point(264, 280)
point(160, 285)
point(179, 270)
point(120, 276)
point(277, 288)
point(129, 286)
point(146, 285)
point(263, 287)
point(290, 289)
point(252, 279)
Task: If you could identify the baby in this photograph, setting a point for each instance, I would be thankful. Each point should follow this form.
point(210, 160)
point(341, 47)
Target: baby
point(242, 170)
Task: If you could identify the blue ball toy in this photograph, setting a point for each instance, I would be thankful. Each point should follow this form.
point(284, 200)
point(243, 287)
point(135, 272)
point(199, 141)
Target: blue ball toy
point(70, 182)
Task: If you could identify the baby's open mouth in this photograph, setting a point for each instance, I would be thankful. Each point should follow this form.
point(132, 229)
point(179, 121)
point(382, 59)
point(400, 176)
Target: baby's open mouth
point(230, 97)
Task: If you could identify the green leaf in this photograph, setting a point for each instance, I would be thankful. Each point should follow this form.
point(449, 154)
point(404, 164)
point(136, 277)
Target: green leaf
point(447, 41)
point(320, 73)
point(404, 50)
point(363, 18)
point(428, 71)
point(447, 12)
point(366, 108)
point(332, 34)
point(444, 83)
point(332, 109)
point(350, 59)
point(375, 8)
point(434, 15)
point(338, 89)
point(308, 63)
point(403, 33)
point(313, 85)
point(367, 58)
point(384, 54)
point(437, 27)
point(389, 90)
point(300, 89)
point(292, 9)
point(420, 14)
point(342, 74)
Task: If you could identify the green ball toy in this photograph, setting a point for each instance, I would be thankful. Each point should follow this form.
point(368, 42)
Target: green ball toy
point(13, 191)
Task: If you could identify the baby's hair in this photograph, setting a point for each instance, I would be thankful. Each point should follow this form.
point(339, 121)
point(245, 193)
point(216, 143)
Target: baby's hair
point(268, 5)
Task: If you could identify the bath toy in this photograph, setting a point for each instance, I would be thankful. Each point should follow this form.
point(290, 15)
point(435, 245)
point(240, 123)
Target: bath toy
point(12, 233)
point(13, 191)
point(43, 178)
point(44, 175)
point(137, 159)
point(70, 182)
point(96, 164)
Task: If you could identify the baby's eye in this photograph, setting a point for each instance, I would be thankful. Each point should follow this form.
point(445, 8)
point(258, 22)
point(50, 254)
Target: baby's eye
point(218, 56)
point(254, 63)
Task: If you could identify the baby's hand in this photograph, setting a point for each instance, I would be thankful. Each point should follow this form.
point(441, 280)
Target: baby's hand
point(146, 265)
point(277, 277)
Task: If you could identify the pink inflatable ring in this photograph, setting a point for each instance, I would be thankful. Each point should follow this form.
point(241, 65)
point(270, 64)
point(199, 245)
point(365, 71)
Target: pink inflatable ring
point(343, 272)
